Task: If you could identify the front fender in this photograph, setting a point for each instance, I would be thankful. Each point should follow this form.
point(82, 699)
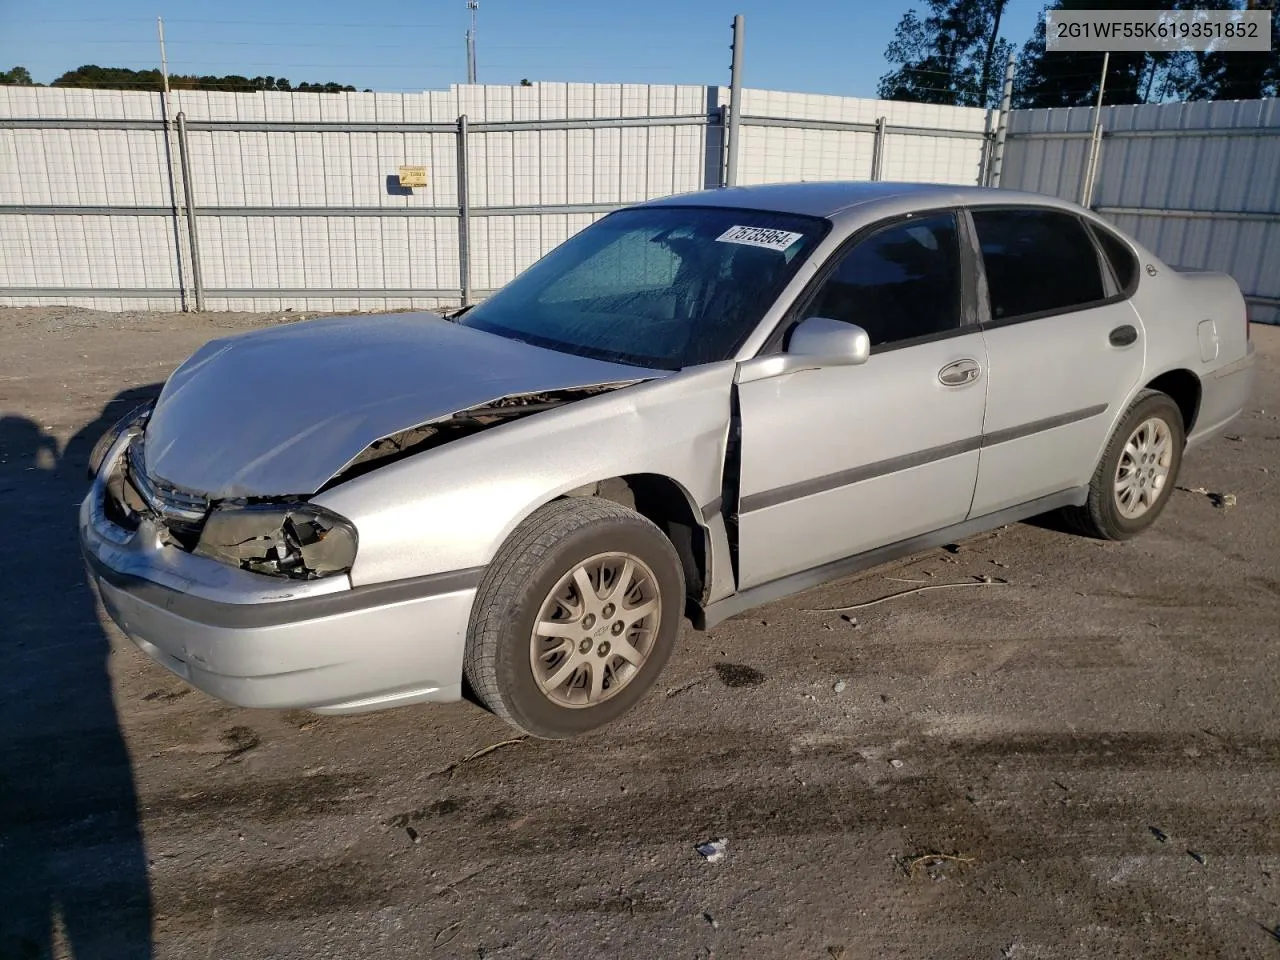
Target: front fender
point(452, 507)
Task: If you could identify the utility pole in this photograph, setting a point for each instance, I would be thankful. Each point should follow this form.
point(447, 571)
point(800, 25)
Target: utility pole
point(164, 60)
point(1095, 139)
point(473, 6)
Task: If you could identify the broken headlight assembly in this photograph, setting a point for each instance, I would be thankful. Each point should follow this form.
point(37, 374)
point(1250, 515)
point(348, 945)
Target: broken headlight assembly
point(133, 420)
point(296, 540)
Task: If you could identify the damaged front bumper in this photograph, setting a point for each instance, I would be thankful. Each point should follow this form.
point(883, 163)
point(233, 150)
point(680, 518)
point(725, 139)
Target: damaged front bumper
point(262, 641)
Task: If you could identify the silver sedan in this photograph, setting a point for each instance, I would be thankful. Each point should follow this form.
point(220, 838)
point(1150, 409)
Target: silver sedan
point(694, 406)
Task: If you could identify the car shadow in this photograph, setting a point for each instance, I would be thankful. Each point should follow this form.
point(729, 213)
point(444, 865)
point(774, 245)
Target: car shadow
point(1053, 522)
point(73, 868)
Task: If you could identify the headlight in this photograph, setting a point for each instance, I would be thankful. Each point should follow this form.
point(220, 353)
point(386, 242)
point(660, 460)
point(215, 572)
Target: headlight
point(296, 540)
point(135, 418)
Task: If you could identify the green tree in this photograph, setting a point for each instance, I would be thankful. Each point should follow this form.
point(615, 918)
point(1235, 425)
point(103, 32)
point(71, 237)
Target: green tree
point(1070, 78)
point(122, 78)
point(952, 54)
point(18, 77)
point(1246, 75)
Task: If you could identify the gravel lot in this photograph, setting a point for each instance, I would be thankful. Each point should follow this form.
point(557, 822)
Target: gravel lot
point(1083, 762)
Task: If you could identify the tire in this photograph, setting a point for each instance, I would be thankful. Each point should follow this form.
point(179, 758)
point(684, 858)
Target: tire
point(571, 677)
point(1152, 462)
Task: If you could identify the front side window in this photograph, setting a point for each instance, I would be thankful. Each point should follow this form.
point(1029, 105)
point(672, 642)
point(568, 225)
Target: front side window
point(664, 287)
point(900, 283)
point(1037, 261)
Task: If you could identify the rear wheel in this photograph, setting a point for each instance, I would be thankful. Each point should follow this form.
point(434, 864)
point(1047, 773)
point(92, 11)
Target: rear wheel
point(575, 618)
point(1137, 473)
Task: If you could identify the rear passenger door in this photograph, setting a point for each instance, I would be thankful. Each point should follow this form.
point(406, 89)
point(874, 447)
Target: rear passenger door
point(1064, 349)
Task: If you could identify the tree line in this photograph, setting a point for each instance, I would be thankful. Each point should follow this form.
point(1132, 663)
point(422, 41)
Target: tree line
point(951, 52)
point(122, 78)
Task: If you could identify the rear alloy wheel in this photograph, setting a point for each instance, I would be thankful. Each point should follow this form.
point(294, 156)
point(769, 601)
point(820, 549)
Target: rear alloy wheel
point(1143, 470)
point(1137, 472)
point(575, 618)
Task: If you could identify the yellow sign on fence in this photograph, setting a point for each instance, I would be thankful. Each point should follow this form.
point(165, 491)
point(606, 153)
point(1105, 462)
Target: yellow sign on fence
point(413, 176)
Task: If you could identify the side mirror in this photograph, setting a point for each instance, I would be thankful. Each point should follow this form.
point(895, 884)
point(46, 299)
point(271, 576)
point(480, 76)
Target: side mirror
point(830, 341)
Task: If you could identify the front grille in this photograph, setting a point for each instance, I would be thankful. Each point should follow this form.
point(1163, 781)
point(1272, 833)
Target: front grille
point(181, 511)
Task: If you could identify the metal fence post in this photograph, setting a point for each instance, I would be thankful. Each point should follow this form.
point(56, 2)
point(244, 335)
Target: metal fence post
point(718, 125)
point(1091, 168)
point(166, 111)
point(735, 103)
point(877, 149)
point(464, 215)
point(988, 145)
point(1002, 127)
point(184, 154)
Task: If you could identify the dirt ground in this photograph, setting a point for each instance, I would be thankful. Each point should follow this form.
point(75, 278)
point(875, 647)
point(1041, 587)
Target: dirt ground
point(1081, 763)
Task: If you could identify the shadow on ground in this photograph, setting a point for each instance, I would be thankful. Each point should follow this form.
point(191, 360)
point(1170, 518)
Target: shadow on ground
point(73, 870)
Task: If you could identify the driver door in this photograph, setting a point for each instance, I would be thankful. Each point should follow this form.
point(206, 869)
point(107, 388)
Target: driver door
point(839, 460)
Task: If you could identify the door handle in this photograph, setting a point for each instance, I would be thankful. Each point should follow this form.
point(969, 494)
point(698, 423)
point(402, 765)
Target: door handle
point(1123, 336)
point(959, 373)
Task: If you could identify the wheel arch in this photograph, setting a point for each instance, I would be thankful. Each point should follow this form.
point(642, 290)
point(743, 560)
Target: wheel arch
point(1183, 387)
point(667, 504)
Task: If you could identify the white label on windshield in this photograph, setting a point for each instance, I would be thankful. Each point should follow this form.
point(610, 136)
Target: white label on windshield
point(760, 237)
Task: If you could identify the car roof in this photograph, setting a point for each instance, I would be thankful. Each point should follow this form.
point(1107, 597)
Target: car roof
point(830, 199)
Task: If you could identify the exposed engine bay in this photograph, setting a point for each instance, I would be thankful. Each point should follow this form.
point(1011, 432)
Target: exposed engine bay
point(286, 536)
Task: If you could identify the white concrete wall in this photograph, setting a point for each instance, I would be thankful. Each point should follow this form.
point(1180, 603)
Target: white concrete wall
point(86, 167)
point(772, 154)
point(552, 168)
point(290, 172)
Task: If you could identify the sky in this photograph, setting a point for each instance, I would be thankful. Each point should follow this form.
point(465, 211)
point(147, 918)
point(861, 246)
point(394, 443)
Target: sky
point(817, 46)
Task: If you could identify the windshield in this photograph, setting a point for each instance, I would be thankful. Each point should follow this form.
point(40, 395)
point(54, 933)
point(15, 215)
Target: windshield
point(663, 287)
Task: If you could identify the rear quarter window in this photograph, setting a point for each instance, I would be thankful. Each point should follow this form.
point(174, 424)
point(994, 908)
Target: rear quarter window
point(1037, 261)
point(1124, 265)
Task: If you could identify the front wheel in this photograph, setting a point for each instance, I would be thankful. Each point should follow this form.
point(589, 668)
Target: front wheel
point(1138, 470)
point(575, 618)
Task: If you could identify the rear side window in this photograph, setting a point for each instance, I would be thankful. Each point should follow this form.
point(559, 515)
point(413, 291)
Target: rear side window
point(1123, 263)
point(901, 283)
point(1037, 261)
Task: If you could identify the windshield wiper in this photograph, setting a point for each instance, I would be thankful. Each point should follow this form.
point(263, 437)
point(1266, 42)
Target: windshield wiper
point(453, 317)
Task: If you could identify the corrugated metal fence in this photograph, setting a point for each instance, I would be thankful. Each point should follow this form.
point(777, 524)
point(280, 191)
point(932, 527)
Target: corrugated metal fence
point(296, 201)
point(1199, 183)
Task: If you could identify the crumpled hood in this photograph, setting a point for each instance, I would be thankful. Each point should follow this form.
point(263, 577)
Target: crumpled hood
point(279, 411)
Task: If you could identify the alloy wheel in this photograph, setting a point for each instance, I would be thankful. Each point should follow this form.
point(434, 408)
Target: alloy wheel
point(595, 629)
point(1144, 468)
